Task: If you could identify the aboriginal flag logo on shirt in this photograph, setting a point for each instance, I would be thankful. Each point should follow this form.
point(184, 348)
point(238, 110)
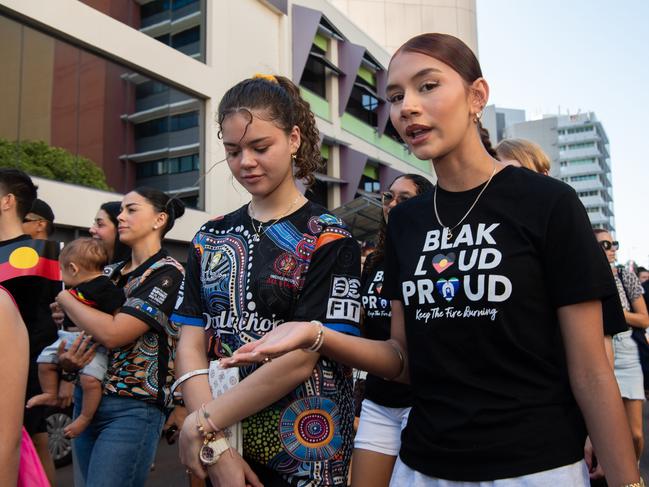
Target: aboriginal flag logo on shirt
point(30, 258)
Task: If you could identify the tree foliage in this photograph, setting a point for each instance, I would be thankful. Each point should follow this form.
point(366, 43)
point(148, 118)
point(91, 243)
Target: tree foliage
point(39, 159)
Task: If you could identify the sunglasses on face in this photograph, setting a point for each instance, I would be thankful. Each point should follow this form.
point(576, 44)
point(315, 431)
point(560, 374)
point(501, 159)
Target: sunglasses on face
point(608, 245)
point(387, 198)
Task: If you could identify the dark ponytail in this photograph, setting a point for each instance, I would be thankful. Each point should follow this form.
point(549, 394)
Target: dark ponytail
point(172, 206)
point(281, 100)
point(486, 141)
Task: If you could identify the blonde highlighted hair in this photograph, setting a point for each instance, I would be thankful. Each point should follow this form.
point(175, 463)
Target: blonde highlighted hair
point(527, 153)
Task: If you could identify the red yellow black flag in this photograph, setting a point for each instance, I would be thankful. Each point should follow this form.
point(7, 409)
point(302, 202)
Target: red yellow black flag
point(30, 258)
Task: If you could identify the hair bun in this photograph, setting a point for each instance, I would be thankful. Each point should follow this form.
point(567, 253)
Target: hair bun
point(177, 207)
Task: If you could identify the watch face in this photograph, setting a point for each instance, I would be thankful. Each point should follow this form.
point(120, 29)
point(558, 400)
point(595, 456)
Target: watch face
point(207, 455)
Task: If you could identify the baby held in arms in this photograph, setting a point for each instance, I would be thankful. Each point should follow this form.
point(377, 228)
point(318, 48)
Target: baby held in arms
point(82, 262)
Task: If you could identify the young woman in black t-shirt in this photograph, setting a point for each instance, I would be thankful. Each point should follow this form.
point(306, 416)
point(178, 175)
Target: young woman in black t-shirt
point(279, 258)
point(386, 404)
point(496, 283)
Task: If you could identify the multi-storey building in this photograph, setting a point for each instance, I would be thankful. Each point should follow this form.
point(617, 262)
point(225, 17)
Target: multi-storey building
point(133, 87)
point(578, 147)
point(393, 22)
point(497, 119)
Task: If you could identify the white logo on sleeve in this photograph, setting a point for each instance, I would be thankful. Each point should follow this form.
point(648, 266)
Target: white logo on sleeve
point(344, 302)
point(345, 287)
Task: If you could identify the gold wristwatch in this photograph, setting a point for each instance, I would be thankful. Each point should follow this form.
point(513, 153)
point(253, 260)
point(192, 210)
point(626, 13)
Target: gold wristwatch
point(212, 450)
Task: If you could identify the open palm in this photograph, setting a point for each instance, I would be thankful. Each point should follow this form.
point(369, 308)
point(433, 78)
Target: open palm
point(293, 335)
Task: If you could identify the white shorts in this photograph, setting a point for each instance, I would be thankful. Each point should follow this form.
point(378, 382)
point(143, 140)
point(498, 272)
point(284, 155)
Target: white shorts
point(379, 429)
point(574, 475)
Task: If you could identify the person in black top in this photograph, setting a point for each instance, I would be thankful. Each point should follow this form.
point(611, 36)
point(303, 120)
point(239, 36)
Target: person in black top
point(386, 404)
point(33, 295)
point(82, 264)
point(496, 284)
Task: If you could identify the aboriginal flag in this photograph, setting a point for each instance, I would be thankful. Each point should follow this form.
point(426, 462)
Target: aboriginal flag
point(30, 258)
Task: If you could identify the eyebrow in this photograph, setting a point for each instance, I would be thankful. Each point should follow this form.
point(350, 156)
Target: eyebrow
point(252, 142)
point(418, 74)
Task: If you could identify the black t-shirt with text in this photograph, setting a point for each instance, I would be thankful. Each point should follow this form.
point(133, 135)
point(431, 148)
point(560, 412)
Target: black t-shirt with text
point(491, 395)
point(376, 326)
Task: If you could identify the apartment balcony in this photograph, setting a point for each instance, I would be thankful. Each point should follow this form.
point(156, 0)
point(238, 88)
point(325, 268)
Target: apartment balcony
point(579, 153)
point(579, 137)
point(576, 169)
point(590, 185)
point(596, 201)
point(599, 218)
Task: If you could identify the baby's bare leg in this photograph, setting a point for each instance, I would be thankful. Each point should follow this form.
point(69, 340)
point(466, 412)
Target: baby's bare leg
point(92, 390)
point(48, 376)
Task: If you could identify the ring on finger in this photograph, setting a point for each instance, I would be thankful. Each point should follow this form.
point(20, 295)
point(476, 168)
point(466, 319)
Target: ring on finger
point(266, 360)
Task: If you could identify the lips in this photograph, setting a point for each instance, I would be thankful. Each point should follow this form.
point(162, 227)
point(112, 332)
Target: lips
point(252, 178)
point(416, 133)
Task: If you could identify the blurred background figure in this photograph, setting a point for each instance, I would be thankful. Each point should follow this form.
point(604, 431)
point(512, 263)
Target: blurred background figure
point(628, 370)
point(643, 275)
point(523, 153)
point(39, 221)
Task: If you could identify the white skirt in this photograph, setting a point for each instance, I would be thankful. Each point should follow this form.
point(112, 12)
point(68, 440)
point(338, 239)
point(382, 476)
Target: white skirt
point(628, 370)
point(575, 475)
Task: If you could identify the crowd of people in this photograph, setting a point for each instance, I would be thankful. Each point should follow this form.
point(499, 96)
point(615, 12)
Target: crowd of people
point(498, 334)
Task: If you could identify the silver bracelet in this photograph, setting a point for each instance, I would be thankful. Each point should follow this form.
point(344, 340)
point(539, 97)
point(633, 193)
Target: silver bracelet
point(184, 377)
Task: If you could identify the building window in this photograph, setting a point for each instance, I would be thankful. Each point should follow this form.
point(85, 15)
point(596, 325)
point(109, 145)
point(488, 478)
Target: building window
point(313, 78)
point(583, 145)
point(576, 130)
point(186, 37)
point(578, 162)
point(152, 127)
point(364, 100)
point(174, 165)
point(149, 88)
point(183, 121)
point(153, 8)
point(585, 177)
point(178, 4)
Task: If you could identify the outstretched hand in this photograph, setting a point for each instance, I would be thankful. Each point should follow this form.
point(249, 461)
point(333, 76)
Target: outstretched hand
point(293, 335)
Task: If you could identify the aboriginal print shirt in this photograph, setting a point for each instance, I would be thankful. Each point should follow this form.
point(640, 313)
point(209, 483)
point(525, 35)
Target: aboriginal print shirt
point(139, 368)
point(240, 284)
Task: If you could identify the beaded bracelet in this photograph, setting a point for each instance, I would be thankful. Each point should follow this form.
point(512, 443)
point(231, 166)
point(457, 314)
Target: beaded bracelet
point(206, 415)
point(319, 339)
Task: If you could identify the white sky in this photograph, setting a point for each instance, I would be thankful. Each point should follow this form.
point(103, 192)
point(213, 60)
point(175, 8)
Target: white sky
point(580, 55)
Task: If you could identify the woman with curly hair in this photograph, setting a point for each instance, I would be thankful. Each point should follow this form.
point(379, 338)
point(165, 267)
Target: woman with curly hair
point(279, 258)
